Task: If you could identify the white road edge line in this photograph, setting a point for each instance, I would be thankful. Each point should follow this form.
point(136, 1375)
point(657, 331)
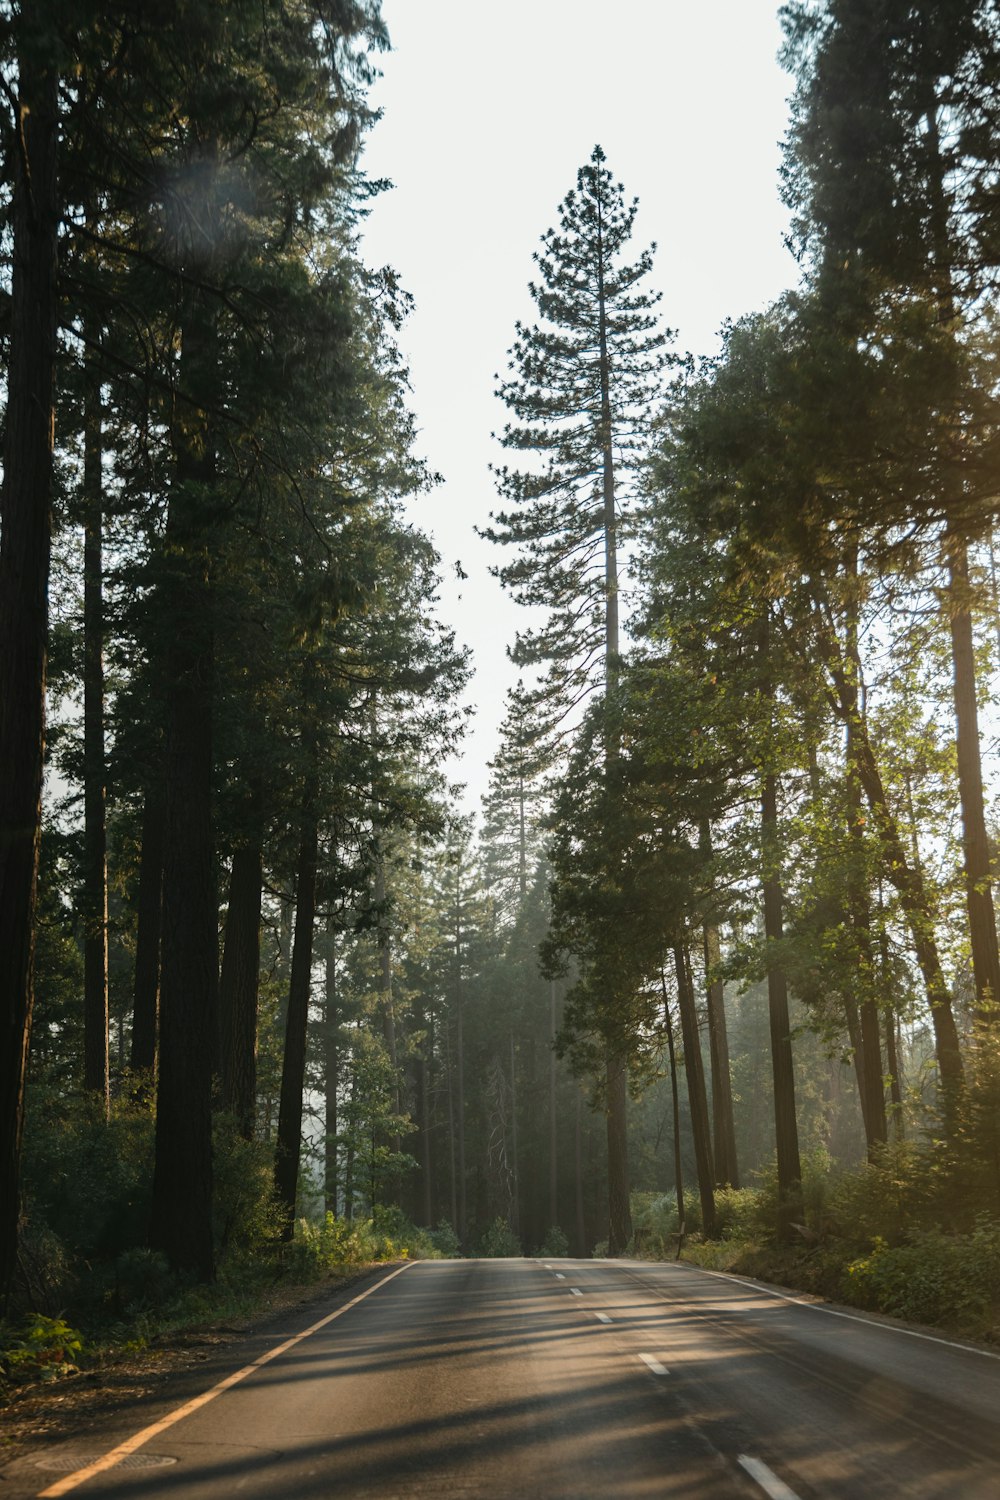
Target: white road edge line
point(602, 1317)
point(115, 1455)
point(654, 1364)
point(832, 1312)
point(769, 1482)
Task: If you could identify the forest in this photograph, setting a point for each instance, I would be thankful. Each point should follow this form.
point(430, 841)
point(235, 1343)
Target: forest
point(714, 969)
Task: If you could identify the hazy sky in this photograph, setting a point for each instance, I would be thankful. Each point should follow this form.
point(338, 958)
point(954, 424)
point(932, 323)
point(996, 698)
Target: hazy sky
point(488, 112)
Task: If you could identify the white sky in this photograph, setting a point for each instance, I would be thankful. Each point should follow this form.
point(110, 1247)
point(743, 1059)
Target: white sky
point(488, 112)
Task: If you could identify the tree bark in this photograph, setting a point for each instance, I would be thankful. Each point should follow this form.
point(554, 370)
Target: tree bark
point(694, 1072)
point(975, 841)
point(675, 1100)
point(293, 1068)
point(181, 1221)
point(723, 1127)
point(553, 1113)
point(785, 1125)
point(868, 1050)
point(331, 1069)
point(149, 922)
point(619, 1204)
point(95, 872)
point(238, 989)
point(24, 577)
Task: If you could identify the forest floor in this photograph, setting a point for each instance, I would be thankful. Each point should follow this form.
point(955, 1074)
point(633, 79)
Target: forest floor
point(116, 1377)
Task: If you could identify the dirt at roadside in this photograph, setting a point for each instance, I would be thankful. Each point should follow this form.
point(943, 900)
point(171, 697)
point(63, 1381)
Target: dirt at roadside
point(40, 1413)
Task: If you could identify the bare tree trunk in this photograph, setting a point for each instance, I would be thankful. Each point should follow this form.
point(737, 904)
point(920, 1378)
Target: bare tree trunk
point(239, 986)
point(723, 1126)
point(785, 1125)
point(289, 1143)
point(581, 1230)
point(553, 1149)
point(868, 1055)
point(95, 875)
point(515, 1217)
point(694, 1071)
point(24, 577)
point(676, 1109)
point(463, 1222)
point(149, 921)
point(975, 840)
point(331, 1069)
point(619, 1205)
point(181, 1219)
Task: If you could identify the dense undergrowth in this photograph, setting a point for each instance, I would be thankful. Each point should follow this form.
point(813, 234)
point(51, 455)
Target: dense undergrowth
point(905, 1235)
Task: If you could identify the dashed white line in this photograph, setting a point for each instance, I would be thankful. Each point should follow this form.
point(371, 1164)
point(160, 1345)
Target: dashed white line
point(560, 1276)
point(773, 1487)
point(576, 1291)
point(602, 1317)
point(656, 1367)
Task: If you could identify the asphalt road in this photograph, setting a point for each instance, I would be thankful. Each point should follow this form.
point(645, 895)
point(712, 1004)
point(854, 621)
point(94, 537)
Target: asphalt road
point(570, 1379)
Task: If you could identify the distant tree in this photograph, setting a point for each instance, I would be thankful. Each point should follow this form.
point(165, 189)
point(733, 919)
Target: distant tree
point(581, 387)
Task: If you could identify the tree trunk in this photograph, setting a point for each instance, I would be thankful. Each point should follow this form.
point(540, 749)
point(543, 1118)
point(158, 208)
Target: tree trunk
point(581, 1231)
point(975, 841)
point(553, 1113)
point(181, 1221)
point(293, 1067)
point(24, 577)
point(723, 1127)
point(149, 921)
point(331, 1068)
point(463, 1222)
point(694, 1071)
point(515, 1216)
point(868, 1052)
point(238, 989)
point(908, 880)
point(619, 1203)
point(785, 1126)
point(675, 1099)
point(95, 871)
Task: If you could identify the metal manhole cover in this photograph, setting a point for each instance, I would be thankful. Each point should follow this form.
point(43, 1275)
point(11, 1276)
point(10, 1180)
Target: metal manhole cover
point(65, 1463)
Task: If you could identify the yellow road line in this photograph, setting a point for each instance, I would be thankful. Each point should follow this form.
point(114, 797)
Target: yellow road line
point(115, 1455)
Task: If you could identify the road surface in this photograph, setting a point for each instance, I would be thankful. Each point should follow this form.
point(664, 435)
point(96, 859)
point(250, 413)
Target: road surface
point(563, 1379)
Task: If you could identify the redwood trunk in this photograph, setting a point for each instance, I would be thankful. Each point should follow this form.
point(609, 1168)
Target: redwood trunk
point(293, 1068)
point(975, 841)
point(238, 989)
point(95, 871)
point(694, 1071)
point(149, 922)
point(619, 1205)
point(181, 1222)
point(723, 1127)
point(785, 1126)
point(24, 578)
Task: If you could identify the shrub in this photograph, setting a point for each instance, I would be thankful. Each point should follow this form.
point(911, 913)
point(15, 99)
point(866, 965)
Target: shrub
point(934, 1278)
point(555, 1244)
point(445, 1240)
point(499, 1241)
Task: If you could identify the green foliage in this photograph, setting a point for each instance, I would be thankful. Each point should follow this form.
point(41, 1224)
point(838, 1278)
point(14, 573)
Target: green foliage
point(318, 1248)
point(40, 1348)
point(246, 1214)
point(555, 1244)
point(87, 1179)
point(499, 1241)
point(935, 1278)
point(445, 1240)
